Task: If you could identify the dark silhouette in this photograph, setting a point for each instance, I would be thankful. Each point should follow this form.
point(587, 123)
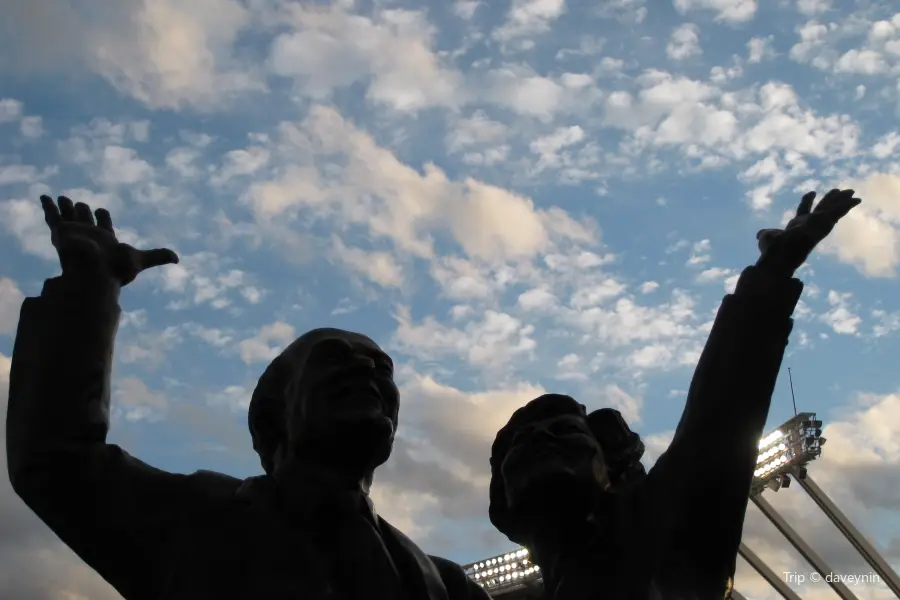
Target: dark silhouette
point(570, 486)
point(322, 418)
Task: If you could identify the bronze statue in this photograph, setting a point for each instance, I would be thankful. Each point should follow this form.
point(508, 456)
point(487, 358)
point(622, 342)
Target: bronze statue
point(569, 484)
point(322, 418)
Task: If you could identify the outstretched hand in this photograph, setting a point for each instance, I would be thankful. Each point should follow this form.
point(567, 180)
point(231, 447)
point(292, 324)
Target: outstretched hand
point(86, 245)
point(785, 250)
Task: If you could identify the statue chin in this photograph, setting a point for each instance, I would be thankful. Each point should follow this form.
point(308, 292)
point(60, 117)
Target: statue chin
point(357, 440)
point(548, 486)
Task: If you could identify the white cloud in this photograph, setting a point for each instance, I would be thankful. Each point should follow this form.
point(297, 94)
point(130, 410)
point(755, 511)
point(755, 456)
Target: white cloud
point(170, 55)
point(183, 161)
point(137, 402)
point(548, 147)
point(528, 18)
point(31, 127)
point(863, 62)
point(25, 221)
point(811, 8)
point(613, 396)
point(714, 274)
point(267, 343)
point(700, 253)
point(465, 9)
point(868, 238)
point(330, 49)
point(841, 317)
point(475, 131)
point(490, 342)
point(122, 166)
point(242, 162)
point(760, 49)
point(10, 110)
point(200, 279)
point(379, 267)
point(527, 93)
point(684, 42)
point(537, 299)
point(729, 11)
point(886, 145)
point(395, 202)
point(10, 303)
point(18, 174)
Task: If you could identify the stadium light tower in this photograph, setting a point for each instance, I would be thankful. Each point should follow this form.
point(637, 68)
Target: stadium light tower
point(787, 450)
point(783, 453)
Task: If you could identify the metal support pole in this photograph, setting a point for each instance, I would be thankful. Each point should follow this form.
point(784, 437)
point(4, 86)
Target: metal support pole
point(779, 583)
point(802, 547)
point(853, 535)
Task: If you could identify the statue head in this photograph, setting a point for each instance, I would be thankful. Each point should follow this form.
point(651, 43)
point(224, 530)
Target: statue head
point(328, 398)
point(552, 459)
point(543, 459)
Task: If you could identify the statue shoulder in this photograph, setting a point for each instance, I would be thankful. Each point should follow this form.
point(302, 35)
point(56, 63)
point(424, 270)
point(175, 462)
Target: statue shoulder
point(459, 586)
point(214, 485)
point(448, 569)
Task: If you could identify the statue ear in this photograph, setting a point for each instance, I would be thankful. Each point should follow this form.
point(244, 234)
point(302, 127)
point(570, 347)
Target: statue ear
point(634, 451)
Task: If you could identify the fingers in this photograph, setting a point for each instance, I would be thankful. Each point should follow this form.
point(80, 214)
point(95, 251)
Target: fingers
point(836, 204)
point(834, 199)
point(806, 204)
point(83, 213)
point(51, 212)
point(66, 209)
point(78, 212)
point(157, 258)
point(841, 212)
point(104, 220)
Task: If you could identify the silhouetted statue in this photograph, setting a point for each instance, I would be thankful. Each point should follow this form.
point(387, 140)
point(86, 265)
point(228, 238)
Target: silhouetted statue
point(570, 486)
point(322, 418)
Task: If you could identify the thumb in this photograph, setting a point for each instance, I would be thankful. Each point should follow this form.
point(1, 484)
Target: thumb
point(156, 258)
point(806, 204)
point(842, 212)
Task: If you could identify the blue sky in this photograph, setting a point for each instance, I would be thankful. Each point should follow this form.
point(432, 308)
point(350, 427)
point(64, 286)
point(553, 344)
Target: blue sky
point(510, 197)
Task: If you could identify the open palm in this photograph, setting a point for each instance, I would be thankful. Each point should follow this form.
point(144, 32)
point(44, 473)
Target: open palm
point(88, 245)
point(788, 248)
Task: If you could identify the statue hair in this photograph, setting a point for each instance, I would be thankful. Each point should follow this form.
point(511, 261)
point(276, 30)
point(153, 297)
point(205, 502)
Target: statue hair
point(622, 449)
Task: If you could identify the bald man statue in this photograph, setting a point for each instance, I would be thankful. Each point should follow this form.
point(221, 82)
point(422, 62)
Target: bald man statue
point(323, 418)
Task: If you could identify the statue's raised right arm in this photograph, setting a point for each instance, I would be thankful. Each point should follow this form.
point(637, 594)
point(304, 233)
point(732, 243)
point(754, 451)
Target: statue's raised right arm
point(701, 484)
point(113, 510)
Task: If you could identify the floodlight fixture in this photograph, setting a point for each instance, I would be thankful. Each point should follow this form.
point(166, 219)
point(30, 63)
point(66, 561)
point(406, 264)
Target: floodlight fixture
point(504, 570)
point(795, 444)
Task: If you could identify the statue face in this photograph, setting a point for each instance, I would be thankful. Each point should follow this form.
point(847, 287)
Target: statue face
point(552, 460)
point(342, 405)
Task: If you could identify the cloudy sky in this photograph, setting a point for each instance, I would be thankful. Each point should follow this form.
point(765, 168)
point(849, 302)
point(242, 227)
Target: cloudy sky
point(513, 198)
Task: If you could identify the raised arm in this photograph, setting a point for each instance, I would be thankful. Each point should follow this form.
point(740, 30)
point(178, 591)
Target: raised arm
point(703, 480)
point(114, 511)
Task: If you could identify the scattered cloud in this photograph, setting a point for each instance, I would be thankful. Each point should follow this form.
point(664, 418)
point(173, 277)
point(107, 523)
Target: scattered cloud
point(531, 196)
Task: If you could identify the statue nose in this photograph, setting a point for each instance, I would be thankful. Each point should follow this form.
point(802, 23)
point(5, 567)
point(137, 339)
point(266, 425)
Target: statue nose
point(362, 362)
point(543, 435)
